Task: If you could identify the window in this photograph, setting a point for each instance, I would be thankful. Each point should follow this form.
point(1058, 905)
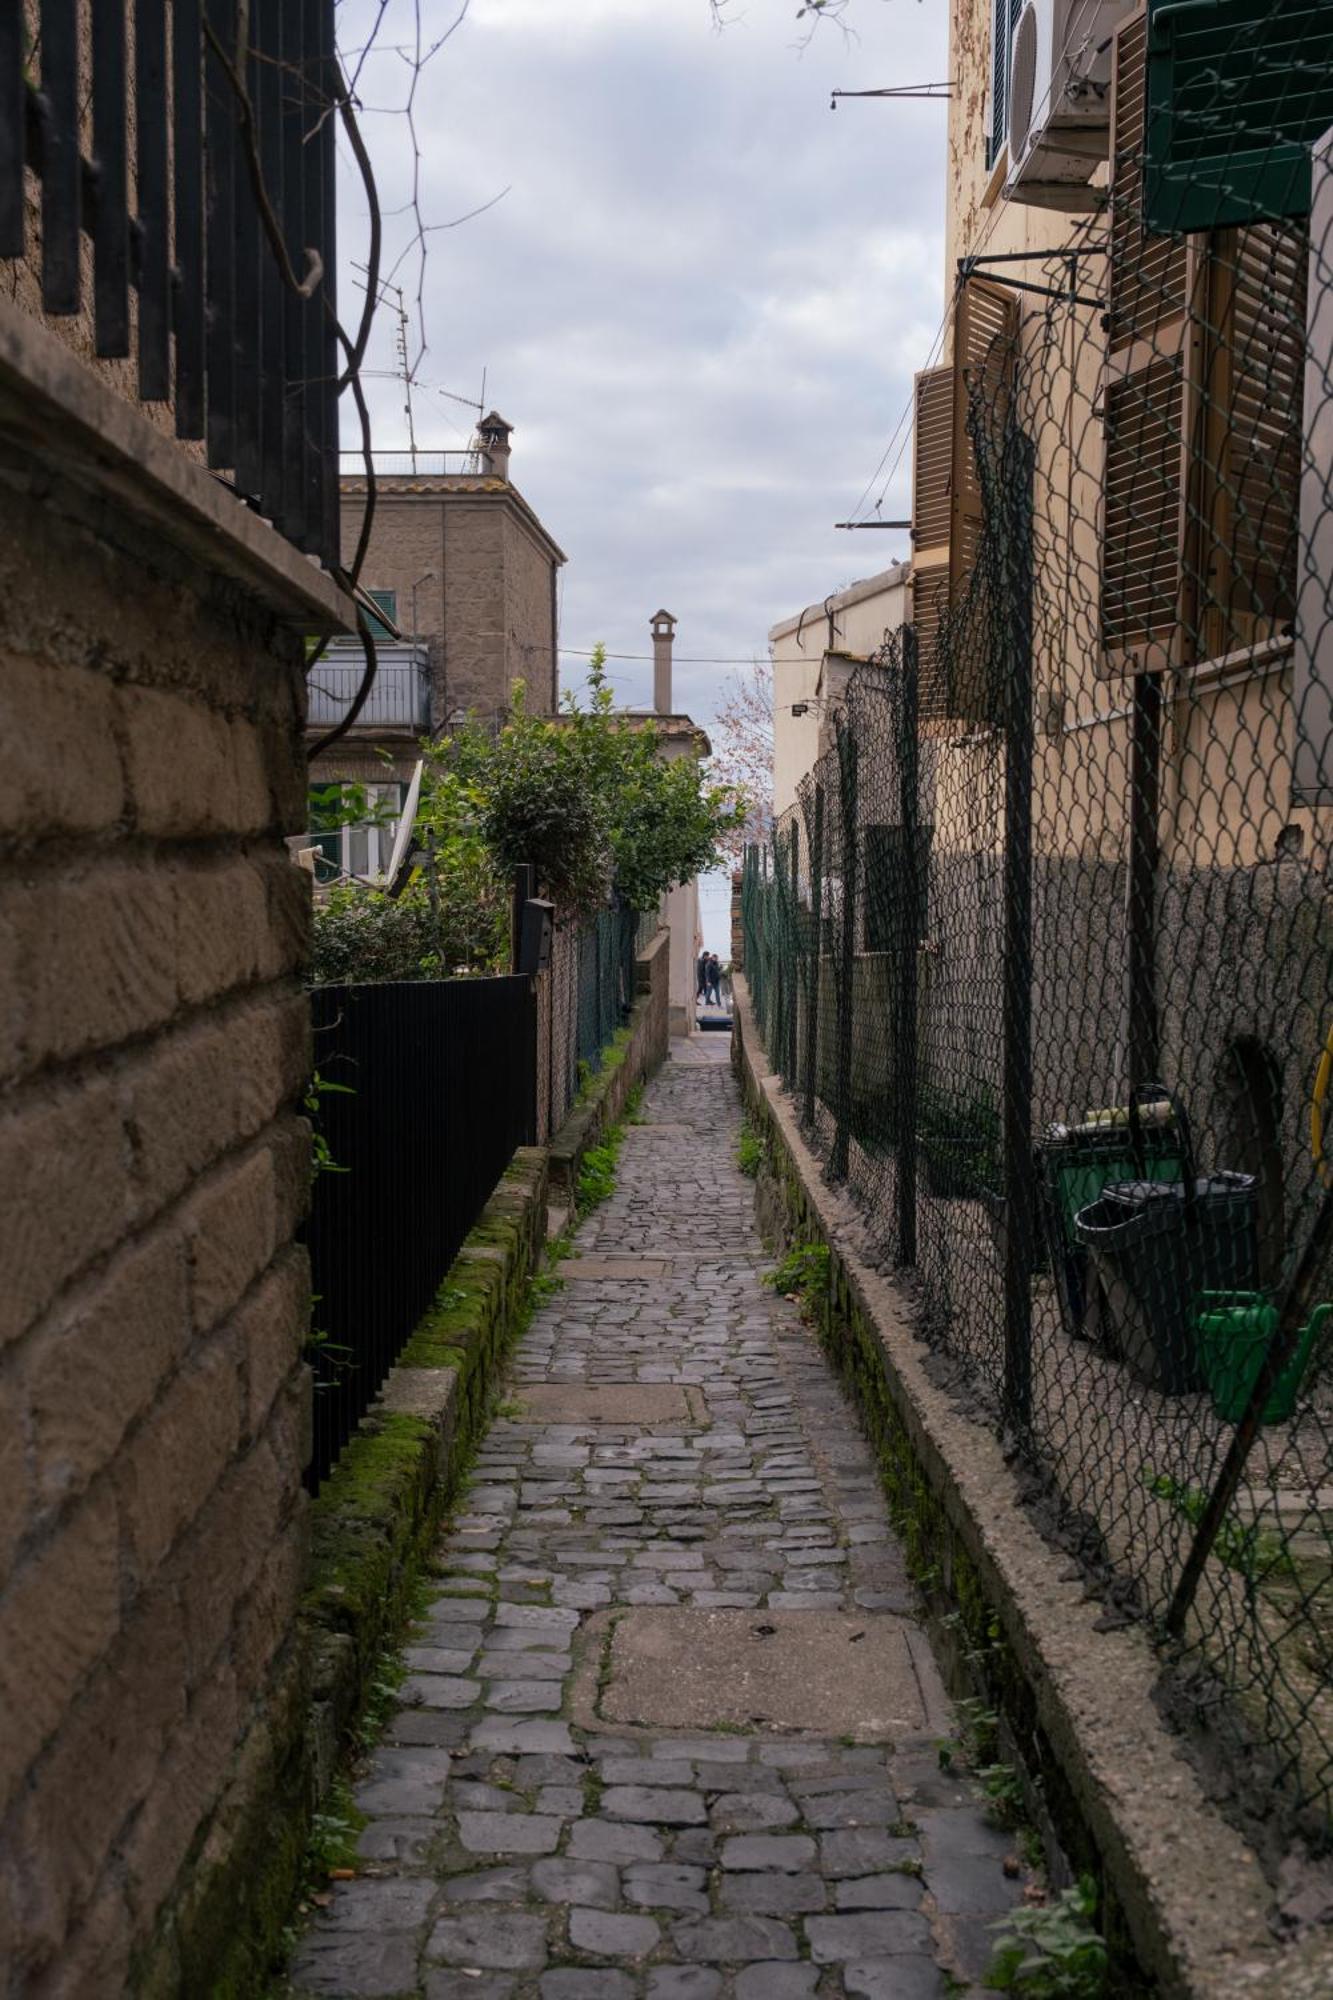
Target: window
point(387, 601)
point(359, 848)
point(1004, 19)
point(1203, 418)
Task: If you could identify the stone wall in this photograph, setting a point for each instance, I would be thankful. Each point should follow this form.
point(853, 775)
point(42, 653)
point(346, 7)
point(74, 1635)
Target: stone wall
point(153, 1170)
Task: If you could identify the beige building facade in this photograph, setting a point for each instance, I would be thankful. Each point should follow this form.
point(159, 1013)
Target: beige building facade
point(813, 653)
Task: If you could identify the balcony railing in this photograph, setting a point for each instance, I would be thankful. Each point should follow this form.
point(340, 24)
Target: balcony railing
point(399, 697)
point(416, 464)
point(179, 135)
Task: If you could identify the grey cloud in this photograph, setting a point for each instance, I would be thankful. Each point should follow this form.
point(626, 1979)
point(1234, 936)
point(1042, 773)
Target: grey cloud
point(700, 305)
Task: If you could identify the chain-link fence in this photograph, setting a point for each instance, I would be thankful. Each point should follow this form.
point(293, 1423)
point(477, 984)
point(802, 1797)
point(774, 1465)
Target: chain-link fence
point(591, 992)
point(1044, 950)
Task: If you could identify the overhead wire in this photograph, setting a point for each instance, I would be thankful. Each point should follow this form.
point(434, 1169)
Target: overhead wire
point(975, 250)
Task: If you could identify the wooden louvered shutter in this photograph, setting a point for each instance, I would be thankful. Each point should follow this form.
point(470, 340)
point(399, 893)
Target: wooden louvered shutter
point(1249, 436)
point(932, 465)
point(1151, 387)
point(985, 351)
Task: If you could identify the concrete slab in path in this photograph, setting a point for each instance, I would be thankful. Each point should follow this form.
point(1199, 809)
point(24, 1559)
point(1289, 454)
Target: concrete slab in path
point(628, 1403)
point(841, 1674)
point(597, 1270)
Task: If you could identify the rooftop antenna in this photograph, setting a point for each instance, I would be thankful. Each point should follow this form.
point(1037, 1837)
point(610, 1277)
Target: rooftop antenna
point(405, 372)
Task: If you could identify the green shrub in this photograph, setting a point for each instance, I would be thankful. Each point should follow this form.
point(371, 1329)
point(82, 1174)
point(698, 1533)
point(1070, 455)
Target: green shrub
point(803, 1272)
point(1052, 1953)
point(750, 1153)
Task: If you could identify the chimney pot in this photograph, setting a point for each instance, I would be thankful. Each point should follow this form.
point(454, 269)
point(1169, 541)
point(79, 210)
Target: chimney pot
point(663, 627)
point(495, 434)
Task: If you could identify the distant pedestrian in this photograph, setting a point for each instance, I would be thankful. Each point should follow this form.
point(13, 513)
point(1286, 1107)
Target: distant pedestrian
point(713, 990)
point(701, 987)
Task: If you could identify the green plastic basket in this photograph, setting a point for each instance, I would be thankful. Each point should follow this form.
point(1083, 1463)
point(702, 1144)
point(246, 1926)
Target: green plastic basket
point(1234, 1331)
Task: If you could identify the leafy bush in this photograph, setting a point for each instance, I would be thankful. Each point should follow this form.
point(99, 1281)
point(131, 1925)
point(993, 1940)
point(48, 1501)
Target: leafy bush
point(750, 1153)
point(804, 1271)
point(589, 800)
point(1052, 1953)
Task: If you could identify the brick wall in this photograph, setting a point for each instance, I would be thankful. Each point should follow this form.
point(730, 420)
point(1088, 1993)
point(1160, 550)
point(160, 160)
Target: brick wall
point(475, 608)
point(530, 635)
point(153, 1168)
point(487, 616)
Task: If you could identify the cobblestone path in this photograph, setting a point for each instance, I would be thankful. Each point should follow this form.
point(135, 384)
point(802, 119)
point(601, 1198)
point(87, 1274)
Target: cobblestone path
point(519, 1846)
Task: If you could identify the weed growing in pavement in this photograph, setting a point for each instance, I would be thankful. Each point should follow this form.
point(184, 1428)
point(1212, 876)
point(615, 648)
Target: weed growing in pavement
point(749, 1152)
point(597, 1177)
point(1005, 1798)
point(1052, 1953)
point(1255, 1552)
point(803, 1273)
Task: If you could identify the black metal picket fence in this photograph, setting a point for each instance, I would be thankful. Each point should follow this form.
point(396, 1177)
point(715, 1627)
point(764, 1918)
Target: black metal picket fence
point(434, 1088)
point(170, 146)
point(1044, 950)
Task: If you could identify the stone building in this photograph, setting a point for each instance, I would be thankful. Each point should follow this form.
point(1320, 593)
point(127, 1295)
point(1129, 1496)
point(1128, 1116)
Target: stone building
point(154, 1044)
point(465, 575)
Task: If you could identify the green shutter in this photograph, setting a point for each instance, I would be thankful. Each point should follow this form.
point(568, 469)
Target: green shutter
point(1237, 91)
point(387, 601)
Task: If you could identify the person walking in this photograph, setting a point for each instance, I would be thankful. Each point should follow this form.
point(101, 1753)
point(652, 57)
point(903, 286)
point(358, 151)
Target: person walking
point(713, 990)
point(701, 985)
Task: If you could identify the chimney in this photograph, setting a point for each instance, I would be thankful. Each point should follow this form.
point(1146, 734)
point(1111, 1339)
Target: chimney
point(495, 433)
point(663, 628)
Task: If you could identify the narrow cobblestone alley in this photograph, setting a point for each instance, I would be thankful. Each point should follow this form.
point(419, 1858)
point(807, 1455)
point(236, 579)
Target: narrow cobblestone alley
point(670, 1728)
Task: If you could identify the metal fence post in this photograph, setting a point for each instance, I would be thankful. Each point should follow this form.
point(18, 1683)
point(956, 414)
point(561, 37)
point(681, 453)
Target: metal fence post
point(793, 957)
point(1013, 640)
point(847, 789)
point(814, 957)
point(912, 905)
point(1145, 759)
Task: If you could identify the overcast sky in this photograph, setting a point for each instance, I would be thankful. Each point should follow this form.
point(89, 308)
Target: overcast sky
point(700, 303)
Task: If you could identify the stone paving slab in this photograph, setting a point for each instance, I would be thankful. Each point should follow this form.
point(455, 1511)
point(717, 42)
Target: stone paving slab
point(580, 1270)
point(639, 1403)
point(680, 1494)
point(840, 1673)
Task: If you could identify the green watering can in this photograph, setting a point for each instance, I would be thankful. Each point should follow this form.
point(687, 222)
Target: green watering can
point(1234, 1331)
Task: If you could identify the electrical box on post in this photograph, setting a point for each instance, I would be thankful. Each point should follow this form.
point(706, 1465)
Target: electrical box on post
point(534, 942)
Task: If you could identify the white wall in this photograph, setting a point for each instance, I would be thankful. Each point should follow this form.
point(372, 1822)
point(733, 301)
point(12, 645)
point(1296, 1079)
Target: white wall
point(680, 910)
point(854, 620)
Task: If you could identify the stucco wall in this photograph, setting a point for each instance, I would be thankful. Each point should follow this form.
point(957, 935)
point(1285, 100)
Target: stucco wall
point(854, 620)
point(153, 1168)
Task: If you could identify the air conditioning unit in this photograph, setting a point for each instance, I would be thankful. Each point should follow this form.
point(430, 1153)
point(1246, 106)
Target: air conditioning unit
point(1059, 99)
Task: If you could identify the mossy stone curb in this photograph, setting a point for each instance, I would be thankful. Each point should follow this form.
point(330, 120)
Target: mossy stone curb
point(378, 1511)
point(1185, 1902)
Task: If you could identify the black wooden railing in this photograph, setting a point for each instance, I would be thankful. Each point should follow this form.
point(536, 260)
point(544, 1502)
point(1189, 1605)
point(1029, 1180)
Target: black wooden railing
point(442, 1083)
point(250, 364)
